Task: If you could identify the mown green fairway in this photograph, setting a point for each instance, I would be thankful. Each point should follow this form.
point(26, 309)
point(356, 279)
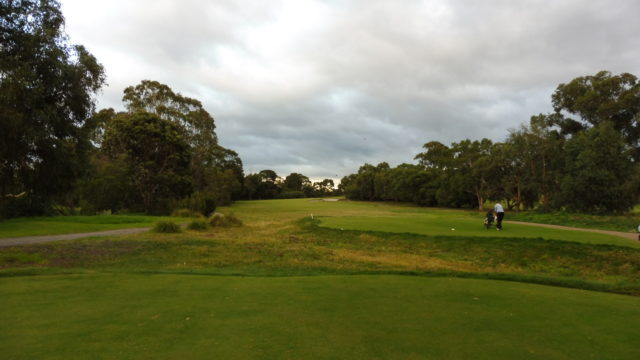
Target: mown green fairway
point(123, 316)
point(53, 225)
point(458, 223)
point(400, 218)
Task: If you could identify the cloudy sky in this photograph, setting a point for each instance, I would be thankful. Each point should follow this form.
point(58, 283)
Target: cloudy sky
point(323, 86)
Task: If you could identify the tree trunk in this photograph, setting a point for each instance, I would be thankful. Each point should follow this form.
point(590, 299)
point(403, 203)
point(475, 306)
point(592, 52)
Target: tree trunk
point(480, 199)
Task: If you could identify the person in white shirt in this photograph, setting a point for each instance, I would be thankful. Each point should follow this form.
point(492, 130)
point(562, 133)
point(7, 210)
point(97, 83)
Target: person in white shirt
point(499, 210)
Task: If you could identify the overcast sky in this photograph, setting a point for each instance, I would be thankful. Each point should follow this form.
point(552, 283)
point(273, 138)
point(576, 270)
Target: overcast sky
point(321, 87)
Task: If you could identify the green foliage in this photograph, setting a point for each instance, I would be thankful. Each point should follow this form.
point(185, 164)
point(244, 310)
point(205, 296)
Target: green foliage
point(599, 98)
point(25, 205)
point(534, 163)
point(185, 213)
point(156, 156)
point(199, 203)
point(156, 98)
point(598, 172)
point(214, 169)
point(108, 187)
point(262, 185)
point(295, 182)
point(224, 220)
point(198, 225)
point(46, 98)
point(166, 227)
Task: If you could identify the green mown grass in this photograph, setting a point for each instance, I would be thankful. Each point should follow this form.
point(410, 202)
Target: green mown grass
point(403, 286)
point(53, 225)
point(108, 316)
point(452, 223)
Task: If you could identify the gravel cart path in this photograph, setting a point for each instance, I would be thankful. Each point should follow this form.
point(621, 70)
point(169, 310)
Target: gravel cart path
point(24, 240)
point(626, 235)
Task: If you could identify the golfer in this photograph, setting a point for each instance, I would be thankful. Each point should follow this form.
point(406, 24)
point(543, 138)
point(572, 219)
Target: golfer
point(499, 210)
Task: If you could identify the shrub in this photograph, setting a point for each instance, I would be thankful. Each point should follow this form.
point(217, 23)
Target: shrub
point(184, 213)
point(24, 205)
point(198, 202)
point(197, 225)
point(87, 208)
point(166, 227)
point(222, 220)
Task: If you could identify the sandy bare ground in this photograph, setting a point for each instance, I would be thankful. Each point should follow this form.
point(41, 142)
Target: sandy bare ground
point(626, 235)
point(4, 242)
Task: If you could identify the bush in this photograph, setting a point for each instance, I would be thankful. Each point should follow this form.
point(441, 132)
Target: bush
point(24, 205)
point(197, 225)
point(222, 220)
point(184, 213)
point(87, 208)
point(166, 227)
point(198, 202)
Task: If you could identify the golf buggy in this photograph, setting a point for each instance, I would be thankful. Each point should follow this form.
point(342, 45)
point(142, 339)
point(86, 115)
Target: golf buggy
point(488, 220)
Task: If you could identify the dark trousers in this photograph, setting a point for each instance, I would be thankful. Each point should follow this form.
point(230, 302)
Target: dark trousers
point(499, 220)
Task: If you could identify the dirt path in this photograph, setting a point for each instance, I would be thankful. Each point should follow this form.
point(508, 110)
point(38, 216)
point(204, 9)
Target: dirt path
point(626, 235)
point(25, 240)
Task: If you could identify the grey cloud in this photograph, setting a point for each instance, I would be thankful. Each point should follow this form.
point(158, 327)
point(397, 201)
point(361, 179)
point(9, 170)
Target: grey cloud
point(320, 87)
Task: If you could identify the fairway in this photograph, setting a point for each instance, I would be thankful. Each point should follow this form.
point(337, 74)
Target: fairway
point(347, 317)
point(452, 223)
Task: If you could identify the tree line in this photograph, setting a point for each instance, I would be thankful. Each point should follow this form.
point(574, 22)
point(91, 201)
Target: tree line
point(59, 154)
point(582, 157)
point(266, 184)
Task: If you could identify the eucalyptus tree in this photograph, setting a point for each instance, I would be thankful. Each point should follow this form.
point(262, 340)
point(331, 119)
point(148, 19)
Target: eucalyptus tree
point(598, 172)
point(296, 182)
point(214, 168)
point(599, 98)
point(47, 89)
point(156, 155)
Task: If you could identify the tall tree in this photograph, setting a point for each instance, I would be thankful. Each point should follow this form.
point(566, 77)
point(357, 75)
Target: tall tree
point(473, 167)
point(436, 155)
point(296, 182)
point(599, 98)
point(598, 176)
point(47, 89)
point(212, 166)
point(157, 98)
point(538, 150)
point(156, 154)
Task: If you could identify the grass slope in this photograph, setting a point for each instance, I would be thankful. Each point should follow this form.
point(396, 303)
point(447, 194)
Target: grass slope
point(111, 316)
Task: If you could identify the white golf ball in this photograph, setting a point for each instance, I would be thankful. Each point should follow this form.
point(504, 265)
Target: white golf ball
point(452, 229)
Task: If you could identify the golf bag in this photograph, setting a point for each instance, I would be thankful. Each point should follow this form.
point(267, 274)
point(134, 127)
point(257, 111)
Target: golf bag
point(488, 220)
